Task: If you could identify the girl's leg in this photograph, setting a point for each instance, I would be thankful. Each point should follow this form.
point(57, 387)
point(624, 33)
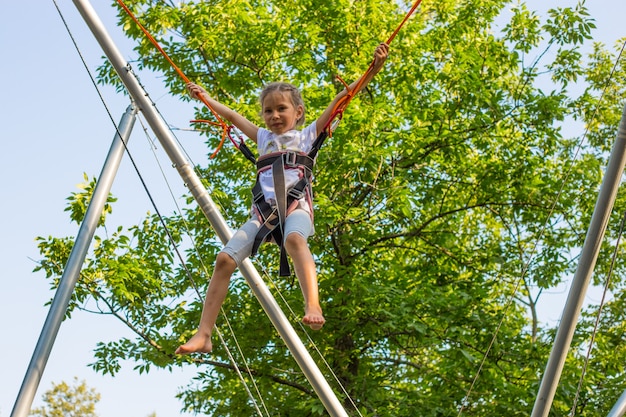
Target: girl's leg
point(298, 249)
point(237, 249)
point(216, 293)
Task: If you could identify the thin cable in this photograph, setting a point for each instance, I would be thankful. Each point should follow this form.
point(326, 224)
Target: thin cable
point(526, 267)
point(232, 359)
point(225, 127)
point(200, 297)
point(599, 315)
point(93, 81)
point(166, 229)
point(132, 160)
point(207, 274)
point(311, 341)
point(248, 370)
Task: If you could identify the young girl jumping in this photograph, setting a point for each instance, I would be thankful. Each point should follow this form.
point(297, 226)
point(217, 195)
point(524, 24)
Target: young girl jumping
point(282, 109)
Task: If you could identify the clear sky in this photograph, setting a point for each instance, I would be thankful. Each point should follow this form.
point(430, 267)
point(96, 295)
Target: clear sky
point(54, 129)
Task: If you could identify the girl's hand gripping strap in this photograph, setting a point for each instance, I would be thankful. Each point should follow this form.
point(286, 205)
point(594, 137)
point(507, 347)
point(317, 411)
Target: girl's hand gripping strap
point(341, 105)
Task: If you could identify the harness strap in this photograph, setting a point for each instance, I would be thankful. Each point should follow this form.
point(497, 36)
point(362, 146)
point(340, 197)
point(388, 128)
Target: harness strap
point(317, 144)
point(272, 226)
point(278, 173)
point(264, 210)
point(268, 226)
point(290, 159)
point(273, 218)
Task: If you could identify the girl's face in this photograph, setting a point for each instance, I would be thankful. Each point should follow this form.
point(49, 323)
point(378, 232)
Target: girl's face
point(279, 113)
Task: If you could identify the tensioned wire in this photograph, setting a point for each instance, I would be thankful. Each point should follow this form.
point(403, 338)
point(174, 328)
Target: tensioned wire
point(525, 268)
point(607, 282)
point(533, 252)
point(235, 366)
point(598, 316)
point(199, 295)
point(278, 291)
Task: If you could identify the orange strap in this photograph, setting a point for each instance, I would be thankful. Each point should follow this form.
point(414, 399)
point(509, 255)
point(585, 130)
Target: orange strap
point(337, 112)
point(225, 127)
point(395, 32)
point(341, 105)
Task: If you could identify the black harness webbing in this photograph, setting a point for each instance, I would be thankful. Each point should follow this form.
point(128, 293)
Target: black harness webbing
point(273, 216)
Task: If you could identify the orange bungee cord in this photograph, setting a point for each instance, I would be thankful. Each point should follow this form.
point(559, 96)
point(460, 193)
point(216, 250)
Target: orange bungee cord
point(341, 105)
point(219, 121)
point(336, 114)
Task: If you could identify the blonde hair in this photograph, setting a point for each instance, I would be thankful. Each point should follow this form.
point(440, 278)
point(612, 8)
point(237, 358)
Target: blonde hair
point(294, 95)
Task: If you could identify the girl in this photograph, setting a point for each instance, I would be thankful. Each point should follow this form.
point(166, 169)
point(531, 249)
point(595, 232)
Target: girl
point(282, 110)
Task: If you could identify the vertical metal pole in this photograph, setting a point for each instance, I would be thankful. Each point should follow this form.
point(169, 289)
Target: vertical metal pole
point(71, 273)
point(580, 283)
point(210, 210)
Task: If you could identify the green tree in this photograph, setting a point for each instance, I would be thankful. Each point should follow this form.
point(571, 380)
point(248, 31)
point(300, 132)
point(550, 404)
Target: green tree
point(63, 400)
point(450, 198)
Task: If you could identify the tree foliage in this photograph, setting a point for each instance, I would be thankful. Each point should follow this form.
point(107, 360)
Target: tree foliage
point(63, 400)
point(456, 191)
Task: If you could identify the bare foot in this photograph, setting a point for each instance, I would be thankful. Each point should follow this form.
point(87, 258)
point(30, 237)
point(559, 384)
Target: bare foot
point(313, 318)
point(198, 343)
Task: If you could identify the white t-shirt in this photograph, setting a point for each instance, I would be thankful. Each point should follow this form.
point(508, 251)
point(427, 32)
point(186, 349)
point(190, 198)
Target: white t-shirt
point(293, 140)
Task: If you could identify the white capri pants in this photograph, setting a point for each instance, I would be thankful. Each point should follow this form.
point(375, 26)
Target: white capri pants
point(239, 247)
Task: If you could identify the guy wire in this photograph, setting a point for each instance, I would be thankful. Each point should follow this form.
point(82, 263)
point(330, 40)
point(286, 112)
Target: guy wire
point(165, 227)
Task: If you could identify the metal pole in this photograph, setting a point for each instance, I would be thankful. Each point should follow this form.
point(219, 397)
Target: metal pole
point(210, 210)
point(580, 283)
point(71, 273)
point(619, 408)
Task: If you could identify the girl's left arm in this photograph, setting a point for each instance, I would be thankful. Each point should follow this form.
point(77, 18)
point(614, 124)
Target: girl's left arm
point(380, 56)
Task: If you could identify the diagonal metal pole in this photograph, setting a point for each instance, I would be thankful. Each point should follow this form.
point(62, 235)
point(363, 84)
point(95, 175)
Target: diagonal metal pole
point(619, 408)
point(580, 283)
point(210, 210)
point(72, 269)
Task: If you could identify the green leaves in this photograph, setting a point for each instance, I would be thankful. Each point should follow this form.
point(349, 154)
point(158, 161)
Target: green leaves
point(78, 202)
point(569, 25)
point(63, 400)
point(455, 193)
point(523, 30)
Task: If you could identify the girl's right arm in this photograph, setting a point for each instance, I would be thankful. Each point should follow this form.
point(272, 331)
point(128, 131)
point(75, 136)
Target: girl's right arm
point(247, 127)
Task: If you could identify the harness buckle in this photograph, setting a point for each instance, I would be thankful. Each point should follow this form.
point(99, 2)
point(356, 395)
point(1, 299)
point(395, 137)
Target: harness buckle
point(296, 194)
point(290, 158)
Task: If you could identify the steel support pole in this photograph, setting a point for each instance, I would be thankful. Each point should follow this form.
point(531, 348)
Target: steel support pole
point(619, 408)
point(210, 210)
point(582, 277)
point(74, 264)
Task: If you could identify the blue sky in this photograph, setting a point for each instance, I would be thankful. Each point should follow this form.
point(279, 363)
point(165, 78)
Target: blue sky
point(55, 128)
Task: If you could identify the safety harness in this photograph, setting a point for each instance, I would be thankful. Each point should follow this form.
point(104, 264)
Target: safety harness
point(273, 216)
